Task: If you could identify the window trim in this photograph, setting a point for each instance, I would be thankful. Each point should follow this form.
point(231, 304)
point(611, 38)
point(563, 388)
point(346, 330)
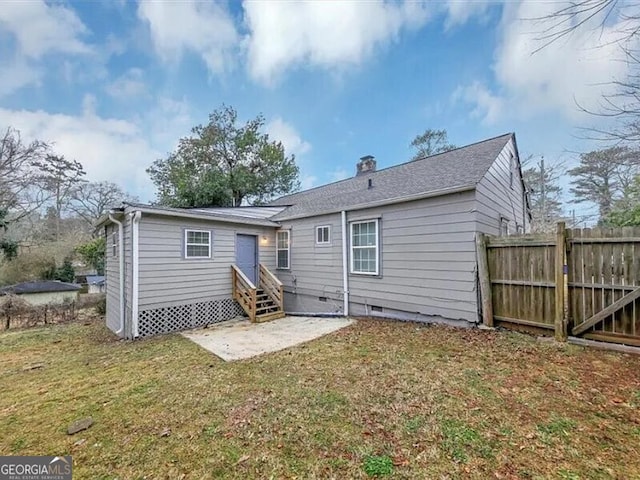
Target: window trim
point(114, 244)
point(352, 270)
point(185, 250)
point(328, 242)
point(288, 249)
point(504, 222)
point(512, 167)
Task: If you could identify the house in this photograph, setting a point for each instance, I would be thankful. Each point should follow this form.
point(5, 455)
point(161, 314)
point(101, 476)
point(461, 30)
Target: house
point(397, 242)
point(43, 292)
point(96, 284)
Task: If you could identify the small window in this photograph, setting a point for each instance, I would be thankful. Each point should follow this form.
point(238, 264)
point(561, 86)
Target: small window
point(114, 244)
point(519, 229)
point(512, 169)
point(323, 235)
point(504, 227)
point(364, 247)
point(283, 250)
point(197, 244)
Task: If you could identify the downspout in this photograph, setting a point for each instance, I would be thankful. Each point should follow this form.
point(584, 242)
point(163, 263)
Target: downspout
point(135, 235)
point(345, 267)
point(120, 269)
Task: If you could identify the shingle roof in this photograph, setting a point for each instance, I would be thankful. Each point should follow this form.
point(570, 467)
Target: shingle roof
point(43, 286)
point(454, 170)
point(95, 279)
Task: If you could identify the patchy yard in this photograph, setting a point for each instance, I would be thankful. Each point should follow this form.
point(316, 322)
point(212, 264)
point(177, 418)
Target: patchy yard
point(372, 399)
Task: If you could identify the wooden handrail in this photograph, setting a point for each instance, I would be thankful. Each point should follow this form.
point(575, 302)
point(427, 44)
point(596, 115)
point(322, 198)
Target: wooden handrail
point(272, 286)
point(244, 292)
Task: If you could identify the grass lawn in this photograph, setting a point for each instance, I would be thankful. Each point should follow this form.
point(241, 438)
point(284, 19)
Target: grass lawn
point(375, 398)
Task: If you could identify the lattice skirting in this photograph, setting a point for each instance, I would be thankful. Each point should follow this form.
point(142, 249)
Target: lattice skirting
point(184, 317)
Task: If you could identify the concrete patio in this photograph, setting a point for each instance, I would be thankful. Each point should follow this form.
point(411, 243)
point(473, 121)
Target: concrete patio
point(240, 339)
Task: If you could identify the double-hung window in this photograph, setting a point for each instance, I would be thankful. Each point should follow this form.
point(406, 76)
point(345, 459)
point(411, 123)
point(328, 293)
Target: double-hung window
point(364, 247)
point(283, 249)
point(323, 235)
point(197, 244)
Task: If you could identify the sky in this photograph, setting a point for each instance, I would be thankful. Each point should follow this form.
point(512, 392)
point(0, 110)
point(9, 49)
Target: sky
point(115, 84)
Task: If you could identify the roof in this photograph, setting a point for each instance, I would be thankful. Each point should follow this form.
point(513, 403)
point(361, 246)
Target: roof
point(42, 286)
point(217, 214)
point(95, 279)
point(453, 171)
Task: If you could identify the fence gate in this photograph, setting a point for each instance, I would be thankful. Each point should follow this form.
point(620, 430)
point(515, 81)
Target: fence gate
point(604, 284)
point(580, 282)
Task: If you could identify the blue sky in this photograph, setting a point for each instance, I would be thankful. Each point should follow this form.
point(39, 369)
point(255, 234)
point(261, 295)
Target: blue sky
point(115, 84)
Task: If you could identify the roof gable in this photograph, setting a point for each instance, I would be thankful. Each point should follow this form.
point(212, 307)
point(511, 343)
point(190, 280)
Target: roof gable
point(455, 170)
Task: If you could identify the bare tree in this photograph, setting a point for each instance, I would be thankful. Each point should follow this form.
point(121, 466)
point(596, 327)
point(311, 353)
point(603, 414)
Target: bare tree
point(92, 199)
point(624, 103)
point(19, 176)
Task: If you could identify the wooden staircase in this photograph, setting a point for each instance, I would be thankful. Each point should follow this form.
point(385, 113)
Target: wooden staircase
point(263, 302)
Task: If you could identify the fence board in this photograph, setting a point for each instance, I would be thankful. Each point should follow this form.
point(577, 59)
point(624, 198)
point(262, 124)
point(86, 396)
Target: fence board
point(603, 265)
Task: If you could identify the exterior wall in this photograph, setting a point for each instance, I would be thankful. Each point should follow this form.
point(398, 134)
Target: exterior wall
point(45, 298)
point(316, 270)
point(112, 279)
point(427, 262)
point(167, 279)
point(497, 198)
point(98, 288)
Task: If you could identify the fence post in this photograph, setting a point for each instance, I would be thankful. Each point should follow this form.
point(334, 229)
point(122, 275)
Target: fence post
point(484, 280)
point(559, 321)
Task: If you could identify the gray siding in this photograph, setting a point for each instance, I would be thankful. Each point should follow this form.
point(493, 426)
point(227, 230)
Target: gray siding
point(112, 277)
point(497, 198)
point(167, 279)
point(316, 270)
point(427, 260)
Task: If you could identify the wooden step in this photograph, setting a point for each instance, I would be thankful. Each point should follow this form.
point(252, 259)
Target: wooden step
point(265, 317)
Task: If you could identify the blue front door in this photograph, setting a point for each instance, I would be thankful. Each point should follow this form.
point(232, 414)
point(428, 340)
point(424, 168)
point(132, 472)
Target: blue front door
point(247, 256)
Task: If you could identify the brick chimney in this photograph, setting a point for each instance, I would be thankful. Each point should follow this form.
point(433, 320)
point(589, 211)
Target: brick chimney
point(367, 164)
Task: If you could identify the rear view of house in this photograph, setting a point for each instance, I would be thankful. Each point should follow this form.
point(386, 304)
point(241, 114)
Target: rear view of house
point(397, 242)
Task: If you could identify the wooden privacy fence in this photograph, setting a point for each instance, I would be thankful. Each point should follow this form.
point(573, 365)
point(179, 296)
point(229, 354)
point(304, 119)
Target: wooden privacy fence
point(579, 282)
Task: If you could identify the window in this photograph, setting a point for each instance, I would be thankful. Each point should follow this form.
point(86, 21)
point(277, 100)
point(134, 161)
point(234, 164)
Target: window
point(504, 227)
point(283, 251)
point(519, 229)
point(323, 235)
point(364, 247)
point(512, 168)
point(114, 244)
point(197, 244)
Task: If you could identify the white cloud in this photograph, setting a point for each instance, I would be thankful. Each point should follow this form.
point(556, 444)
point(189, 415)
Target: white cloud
point(130, 84)
point(308, 181)
point(459, 12)
point(284, 132)
point(325, 34)
point(201, 27)
point(40, 28)
point(338, 174)
point(109, 149)
point(17, 74)
point(577, 69)
point(488, 107)
point(36, 29)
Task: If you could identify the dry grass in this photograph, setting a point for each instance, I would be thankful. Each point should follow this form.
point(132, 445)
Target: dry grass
point(377, 397)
